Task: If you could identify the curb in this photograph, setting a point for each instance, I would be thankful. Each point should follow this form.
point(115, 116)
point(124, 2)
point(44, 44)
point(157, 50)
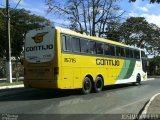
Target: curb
point(150, 79)
point(12, 86)
point(144, 113)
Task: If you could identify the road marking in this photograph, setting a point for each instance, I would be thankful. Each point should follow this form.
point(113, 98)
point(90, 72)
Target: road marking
point(71, 101)
point(148, 104)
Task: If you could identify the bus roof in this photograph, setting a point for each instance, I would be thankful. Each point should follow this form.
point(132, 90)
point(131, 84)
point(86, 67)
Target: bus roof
point(71, 32)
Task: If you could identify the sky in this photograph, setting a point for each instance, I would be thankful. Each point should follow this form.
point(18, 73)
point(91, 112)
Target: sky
point(140, 8)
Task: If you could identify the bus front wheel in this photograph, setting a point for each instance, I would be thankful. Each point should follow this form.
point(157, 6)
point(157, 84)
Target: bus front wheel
point(87, 85)
point(138, 80)
point(98, 84)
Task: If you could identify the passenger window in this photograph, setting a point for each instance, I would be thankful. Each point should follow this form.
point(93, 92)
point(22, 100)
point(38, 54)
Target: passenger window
point(136, 54)
point(122, 52)
point(109, 50)
point(92, 45)
point(112, 50)
point(131, 53)
point(127, 53)
point(118, 51)
point(106, 49)
point(84, 45)
point(76, 44)
point(66, 43)
point(99, 48)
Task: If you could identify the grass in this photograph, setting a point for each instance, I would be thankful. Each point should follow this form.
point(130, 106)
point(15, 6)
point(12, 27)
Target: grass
point(13, 83)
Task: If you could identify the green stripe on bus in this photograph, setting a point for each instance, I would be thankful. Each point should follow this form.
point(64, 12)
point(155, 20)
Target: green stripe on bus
point(124, 69)
point(130, 69)
point(127, 69)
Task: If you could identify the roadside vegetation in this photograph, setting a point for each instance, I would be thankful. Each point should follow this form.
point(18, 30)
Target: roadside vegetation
point(102, 18)
point(21, 22)
point(154, 66)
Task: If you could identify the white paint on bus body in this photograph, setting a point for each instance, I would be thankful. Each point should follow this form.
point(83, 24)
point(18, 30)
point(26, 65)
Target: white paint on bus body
point(39, 45)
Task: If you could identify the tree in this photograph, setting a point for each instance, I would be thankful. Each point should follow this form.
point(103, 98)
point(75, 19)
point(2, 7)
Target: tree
point(151, 1)
point(89, 16)
point(136, 31)
point(2, 36)
point(154, 40)
point(21, 22)
point(154, 66)
point(113, 31)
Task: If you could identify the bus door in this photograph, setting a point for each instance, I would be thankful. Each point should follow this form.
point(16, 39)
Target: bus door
point(144, 61)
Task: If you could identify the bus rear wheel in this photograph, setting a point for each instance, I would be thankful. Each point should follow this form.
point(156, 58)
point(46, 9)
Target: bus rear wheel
point(98, 84)
point(87, 86)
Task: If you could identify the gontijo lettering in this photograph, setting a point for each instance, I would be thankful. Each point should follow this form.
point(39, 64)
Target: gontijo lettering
point(40, 47)
point(107, 62)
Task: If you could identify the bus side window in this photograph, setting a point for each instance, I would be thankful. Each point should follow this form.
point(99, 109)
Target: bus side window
point(66, 43)
point(76, 44)
point(84, 45)
point(131, 53)
point(118, 52)
point(122, 52)
point(127, 53)
point(99, 48)
point(92, 47)
point(106, 49)
point(136, 54)
point(112, 50)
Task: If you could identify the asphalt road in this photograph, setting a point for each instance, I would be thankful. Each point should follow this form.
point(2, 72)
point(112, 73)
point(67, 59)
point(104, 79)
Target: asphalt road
point(117, 100)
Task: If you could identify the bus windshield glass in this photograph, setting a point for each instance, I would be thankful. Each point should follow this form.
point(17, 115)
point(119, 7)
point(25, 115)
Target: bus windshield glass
point(39, 45)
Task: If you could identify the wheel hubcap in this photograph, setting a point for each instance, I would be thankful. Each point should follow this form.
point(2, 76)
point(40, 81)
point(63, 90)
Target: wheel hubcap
point(87, 85)
point(99, 84)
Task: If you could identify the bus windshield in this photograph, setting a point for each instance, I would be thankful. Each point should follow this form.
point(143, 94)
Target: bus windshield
point(39, 45)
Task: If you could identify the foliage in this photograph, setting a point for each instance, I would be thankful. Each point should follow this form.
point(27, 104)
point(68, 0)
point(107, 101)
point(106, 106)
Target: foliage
point(89, 16)
point(154, 66)
point(113, 31)
point(21, 22)
point(2, 68)
point(2, 36)
point(136, 31)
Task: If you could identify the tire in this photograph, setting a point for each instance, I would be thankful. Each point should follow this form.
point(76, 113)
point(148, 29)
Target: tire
point(87, 86)
point(98, 84)
point(138, 80)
